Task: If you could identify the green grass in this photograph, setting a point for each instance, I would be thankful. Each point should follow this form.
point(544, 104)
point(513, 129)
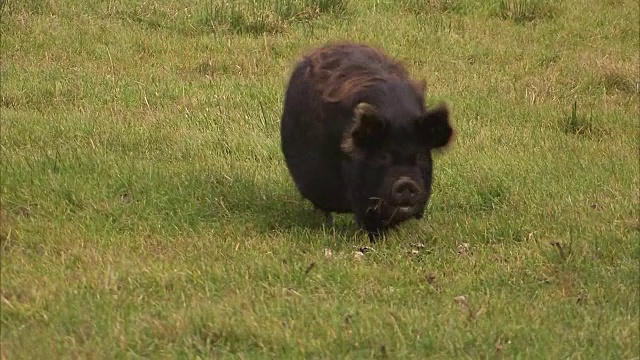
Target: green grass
point(146, 210)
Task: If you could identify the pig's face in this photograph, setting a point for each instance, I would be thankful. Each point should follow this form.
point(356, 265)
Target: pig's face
point(390, 165)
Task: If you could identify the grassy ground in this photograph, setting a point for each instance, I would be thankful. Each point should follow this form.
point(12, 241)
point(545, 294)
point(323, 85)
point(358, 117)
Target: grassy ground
point(146, 210)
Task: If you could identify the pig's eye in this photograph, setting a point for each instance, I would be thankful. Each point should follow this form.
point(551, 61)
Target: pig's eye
point(381, 158)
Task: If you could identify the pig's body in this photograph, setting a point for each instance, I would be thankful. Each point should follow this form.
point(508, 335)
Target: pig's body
point(357, 138)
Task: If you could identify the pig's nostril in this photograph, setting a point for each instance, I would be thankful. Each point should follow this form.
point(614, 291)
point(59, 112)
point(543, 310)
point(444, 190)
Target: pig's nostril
point(404, 190)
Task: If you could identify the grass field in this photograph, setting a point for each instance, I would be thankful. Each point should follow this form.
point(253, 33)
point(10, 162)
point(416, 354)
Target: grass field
point(146, 211)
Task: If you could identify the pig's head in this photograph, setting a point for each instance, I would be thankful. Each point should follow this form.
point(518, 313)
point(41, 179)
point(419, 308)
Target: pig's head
point(389, 165)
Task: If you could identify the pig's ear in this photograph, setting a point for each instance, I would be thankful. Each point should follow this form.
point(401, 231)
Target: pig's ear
point(368, 130)
point(434, 128)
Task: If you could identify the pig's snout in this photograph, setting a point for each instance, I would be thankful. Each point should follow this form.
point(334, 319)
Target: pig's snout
point(405, 192)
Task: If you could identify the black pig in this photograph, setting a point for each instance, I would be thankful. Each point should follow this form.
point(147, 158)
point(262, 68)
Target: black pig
point(357, 137)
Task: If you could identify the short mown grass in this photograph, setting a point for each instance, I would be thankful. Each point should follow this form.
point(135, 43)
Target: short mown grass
point(146, 210)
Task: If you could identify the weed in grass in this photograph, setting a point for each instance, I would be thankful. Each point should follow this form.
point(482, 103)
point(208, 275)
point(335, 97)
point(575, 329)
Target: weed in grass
point(438, 24)
point(492, 197)
point(579, 124)
point(235, 17)
point(31, 7)
point(309, 9)
point(522, 11)
point(6, 233)
point(616, 81)
point(561, 250)
point(430, 6)
point(270, 16)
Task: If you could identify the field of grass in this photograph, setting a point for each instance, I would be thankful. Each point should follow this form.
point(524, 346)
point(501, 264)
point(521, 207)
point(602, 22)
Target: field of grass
point(146, 211)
